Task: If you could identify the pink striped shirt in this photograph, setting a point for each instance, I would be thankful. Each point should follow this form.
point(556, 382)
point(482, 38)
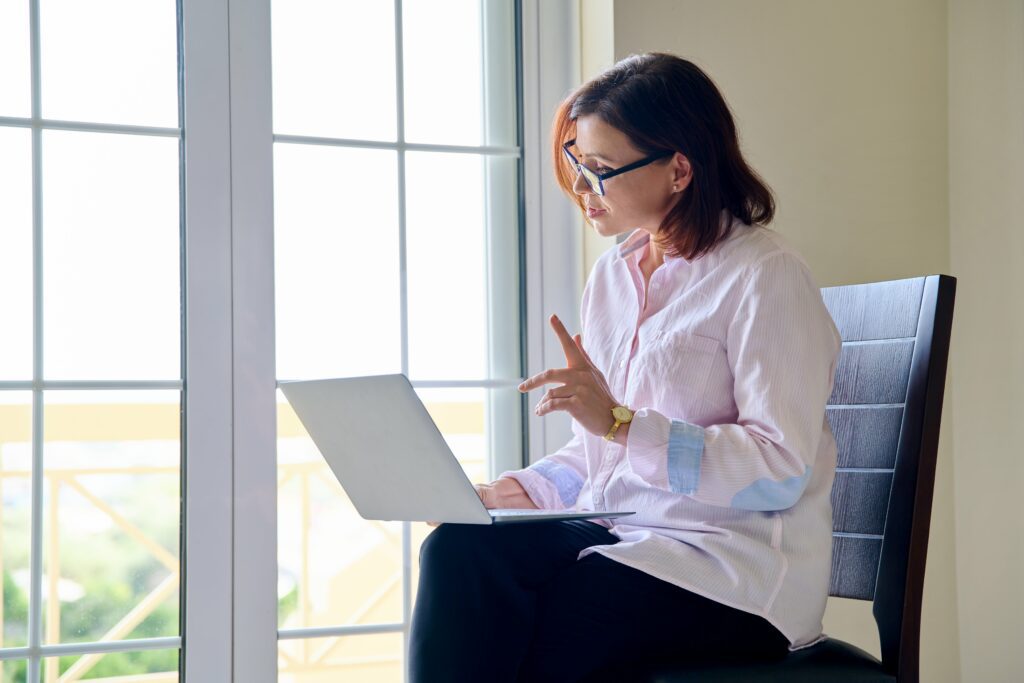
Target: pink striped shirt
point(728, 361)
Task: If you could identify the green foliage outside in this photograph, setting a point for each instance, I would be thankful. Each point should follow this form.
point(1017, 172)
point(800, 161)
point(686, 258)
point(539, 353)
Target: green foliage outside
point(114, 571)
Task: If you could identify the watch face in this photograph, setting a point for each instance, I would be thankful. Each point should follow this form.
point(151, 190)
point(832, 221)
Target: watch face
point(622, 414)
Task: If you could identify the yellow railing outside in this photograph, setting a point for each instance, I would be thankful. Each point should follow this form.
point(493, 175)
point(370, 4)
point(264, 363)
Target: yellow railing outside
point(360, 658)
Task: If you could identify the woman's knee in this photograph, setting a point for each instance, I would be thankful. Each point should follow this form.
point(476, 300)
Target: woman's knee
point(449, 541)
point(475, 543)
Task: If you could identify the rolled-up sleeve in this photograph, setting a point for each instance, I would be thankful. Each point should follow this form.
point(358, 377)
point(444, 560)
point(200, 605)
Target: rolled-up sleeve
point(554, 481)
point(782, 349)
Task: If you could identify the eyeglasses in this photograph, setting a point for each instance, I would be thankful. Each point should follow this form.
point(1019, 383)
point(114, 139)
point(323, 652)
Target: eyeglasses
point(596, 180)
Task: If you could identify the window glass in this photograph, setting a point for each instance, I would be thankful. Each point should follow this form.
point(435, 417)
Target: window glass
point(334, 68)
point(111, 511)
point(112, 297)
point(109, 62)
point(15, 252)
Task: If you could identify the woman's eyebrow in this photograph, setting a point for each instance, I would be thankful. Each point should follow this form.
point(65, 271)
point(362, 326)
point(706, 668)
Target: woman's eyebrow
point(595, 155)
point(599, 157)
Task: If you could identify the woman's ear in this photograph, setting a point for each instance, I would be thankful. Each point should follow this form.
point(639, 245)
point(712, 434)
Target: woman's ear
point(682, 172)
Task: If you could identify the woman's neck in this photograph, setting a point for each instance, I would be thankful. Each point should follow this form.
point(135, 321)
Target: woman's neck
point(654, 256)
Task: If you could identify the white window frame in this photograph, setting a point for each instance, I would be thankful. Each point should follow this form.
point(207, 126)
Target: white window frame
point(36, 651)
point(230, 469)
point(554, 236)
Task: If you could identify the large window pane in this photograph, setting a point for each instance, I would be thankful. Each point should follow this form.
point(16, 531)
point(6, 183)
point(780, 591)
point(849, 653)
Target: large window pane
point(334, 68)
point(15, 514)
point(111, 256)
point(113, 61)
point(14, 56)
point(15, 248)
point(335, 567)
point(337, 268)
point(375, 658)
point(447, 264)
point(459, 90)
point(111, 522)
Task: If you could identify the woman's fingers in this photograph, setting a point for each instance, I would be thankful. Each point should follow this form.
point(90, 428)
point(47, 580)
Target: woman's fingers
point(564, 391)
point(487, 495)
point(573, 356)
point(579, 344)
point(545, 407)
point(560, 375)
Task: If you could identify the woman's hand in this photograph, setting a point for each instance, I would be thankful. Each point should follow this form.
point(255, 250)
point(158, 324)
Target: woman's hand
point(583, 393)
point(504, 492)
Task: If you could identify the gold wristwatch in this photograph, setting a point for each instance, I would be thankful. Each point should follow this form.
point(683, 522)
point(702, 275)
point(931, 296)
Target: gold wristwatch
point(622, 415)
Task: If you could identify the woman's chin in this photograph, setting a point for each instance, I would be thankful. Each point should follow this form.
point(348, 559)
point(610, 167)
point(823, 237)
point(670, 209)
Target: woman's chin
point(602, 228)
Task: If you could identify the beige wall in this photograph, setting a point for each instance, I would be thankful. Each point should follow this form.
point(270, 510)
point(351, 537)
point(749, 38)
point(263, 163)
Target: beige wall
point(893, 136)
point(986, 180)
point(597, 52)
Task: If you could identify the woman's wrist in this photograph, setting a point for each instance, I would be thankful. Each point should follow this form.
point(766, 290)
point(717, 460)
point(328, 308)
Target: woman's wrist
point(621, 434)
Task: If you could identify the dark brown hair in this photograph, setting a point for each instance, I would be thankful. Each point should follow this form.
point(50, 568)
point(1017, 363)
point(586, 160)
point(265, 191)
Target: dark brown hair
point(663, 102)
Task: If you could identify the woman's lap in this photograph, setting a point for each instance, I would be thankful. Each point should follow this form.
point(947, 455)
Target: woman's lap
point(477, 596)
point(515, 598)
point(626, 619)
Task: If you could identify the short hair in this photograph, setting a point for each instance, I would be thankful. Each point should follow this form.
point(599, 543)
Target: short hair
point(664, 102)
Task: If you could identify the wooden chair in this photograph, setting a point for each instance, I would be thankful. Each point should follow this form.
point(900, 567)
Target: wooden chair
point(884, 411)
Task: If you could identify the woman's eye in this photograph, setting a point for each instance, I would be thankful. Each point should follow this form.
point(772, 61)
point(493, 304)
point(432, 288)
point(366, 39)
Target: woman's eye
point(602, 169)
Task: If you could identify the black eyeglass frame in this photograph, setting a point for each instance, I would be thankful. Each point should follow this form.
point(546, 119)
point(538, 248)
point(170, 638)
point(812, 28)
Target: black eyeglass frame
point(596, 180)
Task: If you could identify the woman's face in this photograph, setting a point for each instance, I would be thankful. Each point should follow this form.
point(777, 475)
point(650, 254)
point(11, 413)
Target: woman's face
point(636, 199)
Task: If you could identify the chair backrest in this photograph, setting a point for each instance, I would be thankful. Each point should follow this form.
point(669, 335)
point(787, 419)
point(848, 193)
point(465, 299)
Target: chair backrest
point(884, 411)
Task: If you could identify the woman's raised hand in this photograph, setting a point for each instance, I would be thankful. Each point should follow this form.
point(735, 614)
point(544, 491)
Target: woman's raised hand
point(583, 390)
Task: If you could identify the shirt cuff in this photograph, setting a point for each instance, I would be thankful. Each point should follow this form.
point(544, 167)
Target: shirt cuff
point(665, 453)
point(541, 491)
point(646, 444)
point(685, 448)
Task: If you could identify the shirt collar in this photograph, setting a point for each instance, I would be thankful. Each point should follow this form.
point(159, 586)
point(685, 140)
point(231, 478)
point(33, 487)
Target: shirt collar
point(636, 240)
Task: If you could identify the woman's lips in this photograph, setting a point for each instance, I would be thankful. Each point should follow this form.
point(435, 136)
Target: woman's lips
point(591, 212)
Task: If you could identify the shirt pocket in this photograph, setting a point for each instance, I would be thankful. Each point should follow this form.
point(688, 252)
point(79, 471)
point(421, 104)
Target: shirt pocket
point(677, 370)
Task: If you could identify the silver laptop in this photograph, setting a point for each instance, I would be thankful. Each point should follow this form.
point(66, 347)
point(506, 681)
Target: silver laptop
point(390, 457)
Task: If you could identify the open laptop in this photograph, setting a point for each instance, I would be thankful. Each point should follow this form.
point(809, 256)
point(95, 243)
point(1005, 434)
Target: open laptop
point(390, 457)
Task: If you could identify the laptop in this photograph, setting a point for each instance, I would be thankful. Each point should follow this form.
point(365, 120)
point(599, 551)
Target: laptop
point(389, 456)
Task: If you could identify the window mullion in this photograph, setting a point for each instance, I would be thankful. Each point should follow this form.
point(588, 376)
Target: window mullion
point(404, 309)
point(35, 625)
point(254, 419)
point(207, 638)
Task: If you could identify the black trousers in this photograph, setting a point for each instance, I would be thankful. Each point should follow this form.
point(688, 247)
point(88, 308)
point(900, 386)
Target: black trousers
point(510, 602)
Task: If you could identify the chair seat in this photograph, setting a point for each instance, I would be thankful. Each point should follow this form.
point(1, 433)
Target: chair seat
point(830, 660)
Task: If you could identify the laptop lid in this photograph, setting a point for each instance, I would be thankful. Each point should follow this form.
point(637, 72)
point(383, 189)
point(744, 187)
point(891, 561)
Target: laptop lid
point(385, 450)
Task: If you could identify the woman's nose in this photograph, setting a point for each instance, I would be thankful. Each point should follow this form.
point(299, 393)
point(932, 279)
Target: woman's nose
point(580, 185)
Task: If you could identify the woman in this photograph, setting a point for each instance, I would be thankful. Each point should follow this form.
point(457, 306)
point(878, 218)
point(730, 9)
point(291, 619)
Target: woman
point(697, 392)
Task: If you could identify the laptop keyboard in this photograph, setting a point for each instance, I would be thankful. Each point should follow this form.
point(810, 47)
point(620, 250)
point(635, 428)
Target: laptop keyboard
point(506, 512)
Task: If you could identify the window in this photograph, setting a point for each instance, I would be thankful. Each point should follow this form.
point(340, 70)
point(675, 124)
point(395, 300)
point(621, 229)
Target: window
point(396, 244)
point(90, 354)
point(159, 504)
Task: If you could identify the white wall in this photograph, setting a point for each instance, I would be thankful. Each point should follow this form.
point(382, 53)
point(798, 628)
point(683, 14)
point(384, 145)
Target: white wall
point(843, 107)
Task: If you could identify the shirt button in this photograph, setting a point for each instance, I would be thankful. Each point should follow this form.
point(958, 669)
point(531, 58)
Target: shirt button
point(622, 363)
